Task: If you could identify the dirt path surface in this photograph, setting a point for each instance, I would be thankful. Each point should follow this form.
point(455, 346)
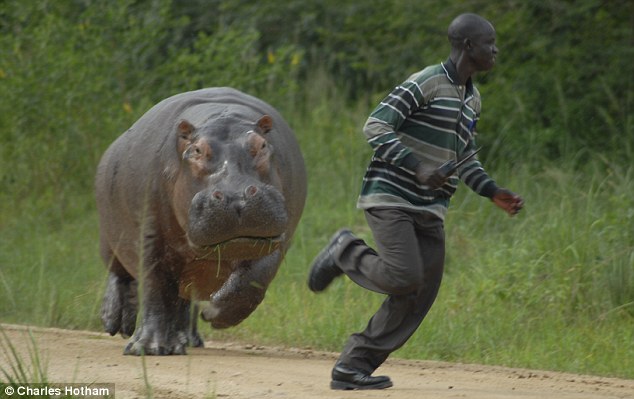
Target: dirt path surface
point(243, 371)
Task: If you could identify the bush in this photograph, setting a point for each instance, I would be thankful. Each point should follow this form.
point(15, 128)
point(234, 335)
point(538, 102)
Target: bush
point(76, 75)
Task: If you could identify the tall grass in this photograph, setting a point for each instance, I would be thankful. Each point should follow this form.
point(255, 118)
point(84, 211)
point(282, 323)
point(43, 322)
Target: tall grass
point(19, 370)
point(552, 288)
point(15, 368)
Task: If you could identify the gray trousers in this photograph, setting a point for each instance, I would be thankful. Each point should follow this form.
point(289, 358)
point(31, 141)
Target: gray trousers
point(407, 266)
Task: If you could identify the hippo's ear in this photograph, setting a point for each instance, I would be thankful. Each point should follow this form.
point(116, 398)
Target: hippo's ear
point(265, 124)
point(184, 131)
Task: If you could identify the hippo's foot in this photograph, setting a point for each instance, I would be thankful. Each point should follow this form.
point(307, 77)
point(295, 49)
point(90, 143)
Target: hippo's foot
point(150, 341)
point(194, 340)
point(241, 294)
point(119, 306)
point(166, 331)
point(228, 308)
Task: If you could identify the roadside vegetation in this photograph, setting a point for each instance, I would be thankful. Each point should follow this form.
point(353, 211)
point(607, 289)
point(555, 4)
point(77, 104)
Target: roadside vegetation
point(552, 288)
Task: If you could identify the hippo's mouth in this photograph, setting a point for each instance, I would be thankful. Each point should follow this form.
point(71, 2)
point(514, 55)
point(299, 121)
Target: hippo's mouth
point(240, 248)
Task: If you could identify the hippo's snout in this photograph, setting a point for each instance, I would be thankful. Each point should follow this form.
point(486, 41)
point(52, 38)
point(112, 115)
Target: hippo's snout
point(223, 213)
point(236, 201)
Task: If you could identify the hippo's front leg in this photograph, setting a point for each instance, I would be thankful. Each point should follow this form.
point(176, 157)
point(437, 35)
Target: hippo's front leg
point(165, 327)
point(119, 306)
point(242, 292)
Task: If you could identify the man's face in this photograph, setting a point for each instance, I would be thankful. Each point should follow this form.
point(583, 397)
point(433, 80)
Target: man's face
point(483, 50)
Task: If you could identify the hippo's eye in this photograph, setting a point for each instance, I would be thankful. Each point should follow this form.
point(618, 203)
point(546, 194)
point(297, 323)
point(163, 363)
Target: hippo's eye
point(199, 156)
point(257, 145)
point(198, 152)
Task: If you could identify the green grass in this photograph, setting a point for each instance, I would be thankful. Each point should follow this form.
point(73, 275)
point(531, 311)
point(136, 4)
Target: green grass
point(552, 288)
point(26, 374)
point(15, 369)
point(50, 272)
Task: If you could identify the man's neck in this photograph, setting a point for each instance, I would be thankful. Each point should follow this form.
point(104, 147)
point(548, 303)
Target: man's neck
point(463, 67)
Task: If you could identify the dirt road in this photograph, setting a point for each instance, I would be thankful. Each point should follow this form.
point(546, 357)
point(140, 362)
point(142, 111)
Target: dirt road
point(225, 370)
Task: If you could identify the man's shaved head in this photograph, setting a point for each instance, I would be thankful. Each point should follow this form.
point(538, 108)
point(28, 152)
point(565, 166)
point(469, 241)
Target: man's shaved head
point(467, 26)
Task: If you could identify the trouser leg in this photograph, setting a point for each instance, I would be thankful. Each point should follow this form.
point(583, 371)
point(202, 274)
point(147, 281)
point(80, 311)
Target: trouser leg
point(408, 267)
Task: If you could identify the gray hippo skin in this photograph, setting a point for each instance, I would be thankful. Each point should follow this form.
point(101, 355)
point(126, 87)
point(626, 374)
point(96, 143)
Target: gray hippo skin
point(197, 201)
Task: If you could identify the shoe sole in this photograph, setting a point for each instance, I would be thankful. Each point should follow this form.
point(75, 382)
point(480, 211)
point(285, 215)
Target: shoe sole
point(348, 386)
point(325, 252)
point(311, 278)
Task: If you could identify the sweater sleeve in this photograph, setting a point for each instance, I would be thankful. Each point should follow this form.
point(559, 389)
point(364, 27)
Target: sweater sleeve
point(476, 178)
point(381, 127)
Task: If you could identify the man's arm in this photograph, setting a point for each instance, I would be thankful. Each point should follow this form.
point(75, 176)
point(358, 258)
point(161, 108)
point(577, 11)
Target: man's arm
point(476, 178)
point(381, 127)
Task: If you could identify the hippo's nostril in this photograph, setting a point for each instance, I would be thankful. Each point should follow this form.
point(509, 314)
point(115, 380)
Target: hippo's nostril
point(251, 191)
point(217, 195)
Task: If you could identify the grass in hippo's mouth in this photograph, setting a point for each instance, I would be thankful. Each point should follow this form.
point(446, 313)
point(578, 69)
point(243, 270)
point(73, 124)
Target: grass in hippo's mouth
point(241, 248)
point(254, 241)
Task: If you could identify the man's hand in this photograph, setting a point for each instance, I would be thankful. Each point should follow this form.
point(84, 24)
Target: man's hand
point(435, 178)
point(507, 200)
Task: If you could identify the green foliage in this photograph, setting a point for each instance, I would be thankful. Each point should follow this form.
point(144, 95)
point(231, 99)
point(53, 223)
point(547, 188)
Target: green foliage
point(74, 77)
point(553, 288)
point(566, 71)
point(565, 68)
point(15, 370)
point(18, 372)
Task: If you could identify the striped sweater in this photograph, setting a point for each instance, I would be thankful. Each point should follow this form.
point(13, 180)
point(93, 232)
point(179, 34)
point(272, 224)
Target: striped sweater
point(429, 118)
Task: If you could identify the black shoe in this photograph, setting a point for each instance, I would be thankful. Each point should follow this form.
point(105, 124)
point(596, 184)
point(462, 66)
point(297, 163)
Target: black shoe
point(345, 378)
point(324, 269)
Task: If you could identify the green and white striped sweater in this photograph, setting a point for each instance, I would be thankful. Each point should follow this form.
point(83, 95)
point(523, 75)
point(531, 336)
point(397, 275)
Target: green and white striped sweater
point(429, 118)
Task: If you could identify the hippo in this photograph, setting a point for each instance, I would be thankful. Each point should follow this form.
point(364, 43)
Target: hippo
point(197, 202)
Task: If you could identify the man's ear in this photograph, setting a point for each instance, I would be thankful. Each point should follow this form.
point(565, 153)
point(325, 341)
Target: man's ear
point(184, 131)
point(264, 124)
